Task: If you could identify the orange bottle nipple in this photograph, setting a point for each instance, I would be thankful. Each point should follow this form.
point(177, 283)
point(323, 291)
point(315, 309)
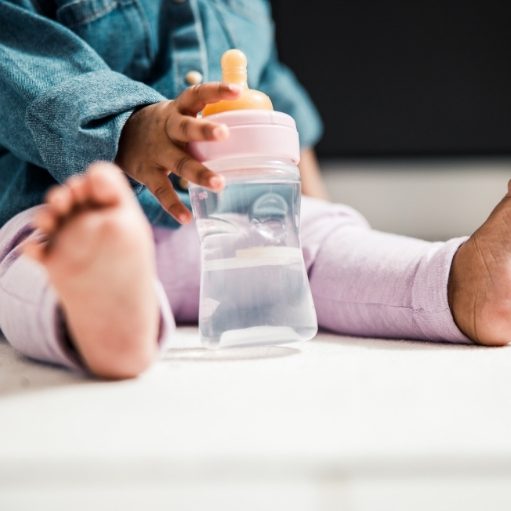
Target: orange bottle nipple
point(234, 70)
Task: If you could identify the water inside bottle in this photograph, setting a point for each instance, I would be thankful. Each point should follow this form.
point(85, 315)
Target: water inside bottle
point(254, 287)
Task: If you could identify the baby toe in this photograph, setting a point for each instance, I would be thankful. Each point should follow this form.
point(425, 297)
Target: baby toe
point(108, 184)
point(45, 220)
point(80, 189)
point(60, 200)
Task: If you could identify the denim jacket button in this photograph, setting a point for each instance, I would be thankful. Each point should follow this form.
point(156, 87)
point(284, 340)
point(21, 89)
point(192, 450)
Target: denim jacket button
point(193, 77)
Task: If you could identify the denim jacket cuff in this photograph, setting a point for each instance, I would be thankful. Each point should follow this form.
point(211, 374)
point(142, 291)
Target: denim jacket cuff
point(80, 120)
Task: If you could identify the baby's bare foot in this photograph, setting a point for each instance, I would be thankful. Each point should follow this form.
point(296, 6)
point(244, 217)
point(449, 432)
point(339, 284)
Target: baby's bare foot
point(480, 281)
point(100, 258)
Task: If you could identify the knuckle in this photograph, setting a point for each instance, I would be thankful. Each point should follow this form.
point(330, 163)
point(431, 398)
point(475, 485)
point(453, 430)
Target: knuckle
point(184, 126)
point(160, 190)
point(202, 174)
point(196, 89)
point(206, 130)
point(181, 163)
point(164, 196)
point(168, 125)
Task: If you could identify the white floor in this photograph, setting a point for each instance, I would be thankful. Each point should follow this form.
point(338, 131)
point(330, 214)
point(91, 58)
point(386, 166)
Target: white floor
point(336, 423)
point(430, 199)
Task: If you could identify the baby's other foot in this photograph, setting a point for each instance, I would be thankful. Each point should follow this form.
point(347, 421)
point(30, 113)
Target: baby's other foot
point(99, 254)
point(480, 281)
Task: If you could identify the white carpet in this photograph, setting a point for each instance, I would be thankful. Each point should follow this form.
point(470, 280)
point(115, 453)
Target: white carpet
point(335, 423)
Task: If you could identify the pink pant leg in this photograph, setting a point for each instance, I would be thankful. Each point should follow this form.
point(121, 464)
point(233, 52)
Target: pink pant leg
point(371, 283)
point(178, 264)
point(30, 317)
point(364, 282)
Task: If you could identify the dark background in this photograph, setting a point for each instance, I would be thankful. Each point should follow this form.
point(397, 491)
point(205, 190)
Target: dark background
point(403, 78)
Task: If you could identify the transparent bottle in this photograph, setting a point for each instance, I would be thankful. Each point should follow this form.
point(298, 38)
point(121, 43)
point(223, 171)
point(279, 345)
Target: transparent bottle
point(254, 285)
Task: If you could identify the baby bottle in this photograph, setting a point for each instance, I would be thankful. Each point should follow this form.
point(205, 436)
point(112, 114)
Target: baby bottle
point(254, 286)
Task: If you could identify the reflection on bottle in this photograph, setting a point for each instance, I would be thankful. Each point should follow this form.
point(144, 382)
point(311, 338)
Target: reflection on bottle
point(268, 215)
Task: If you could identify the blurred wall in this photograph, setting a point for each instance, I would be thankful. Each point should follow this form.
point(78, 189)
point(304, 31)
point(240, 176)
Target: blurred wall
point(403, 77)
point(425, 198)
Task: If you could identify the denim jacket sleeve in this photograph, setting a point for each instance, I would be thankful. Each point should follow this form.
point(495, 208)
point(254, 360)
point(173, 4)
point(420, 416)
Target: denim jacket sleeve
point(61, 106)
point(288, 96)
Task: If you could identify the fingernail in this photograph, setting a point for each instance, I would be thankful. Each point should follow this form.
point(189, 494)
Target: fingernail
point(216, 182)
point(221, 132)
point(234, 87)
point(184, 218)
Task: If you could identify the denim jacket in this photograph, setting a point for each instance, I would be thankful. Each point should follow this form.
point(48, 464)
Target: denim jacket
point(73, 71)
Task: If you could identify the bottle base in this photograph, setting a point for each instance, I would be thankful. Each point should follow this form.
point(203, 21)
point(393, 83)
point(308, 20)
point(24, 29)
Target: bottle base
point(259, 335)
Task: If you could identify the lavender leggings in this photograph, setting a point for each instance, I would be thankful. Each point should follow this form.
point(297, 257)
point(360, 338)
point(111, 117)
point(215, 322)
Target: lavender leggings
point(364, 282)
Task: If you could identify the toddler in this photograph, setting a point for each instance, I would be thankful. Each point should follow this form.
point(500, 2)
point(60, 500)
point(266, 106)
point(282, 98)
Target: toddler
point(95, 277)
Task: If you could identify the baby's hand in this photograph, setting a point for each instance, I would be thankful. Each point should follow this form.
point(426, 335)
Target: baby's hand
point(153, 144)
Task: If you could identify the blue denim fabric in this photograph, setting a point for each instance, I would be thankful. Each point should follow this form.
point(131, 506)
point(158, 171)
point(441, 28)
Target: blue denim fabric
point(73, 71)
